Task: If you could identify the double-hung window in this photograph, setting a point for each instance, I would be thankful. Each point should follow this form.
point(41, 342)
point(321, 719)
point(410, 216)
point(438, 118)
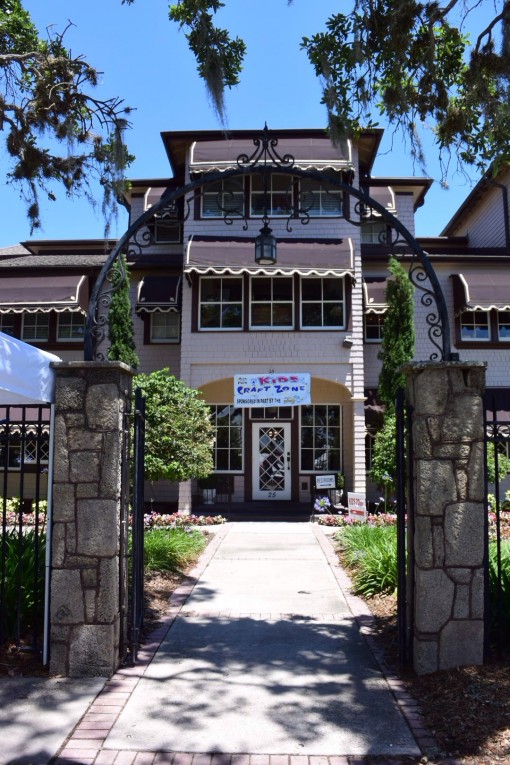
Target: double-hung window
point(225, 197)
point(70, 327)
point(36, 327)
point(272, 302)
point(321, 438)
point(165, 327)
point(221, 303)
point(228, 443)
point(276, 200)
point(320, 199)
point(322, 303)
point(374, 323)
point(504, 325)
point(475, 325)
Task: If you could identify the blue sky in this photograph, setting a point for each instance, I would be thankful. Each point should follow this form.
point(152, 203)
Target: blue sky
point(145, 60)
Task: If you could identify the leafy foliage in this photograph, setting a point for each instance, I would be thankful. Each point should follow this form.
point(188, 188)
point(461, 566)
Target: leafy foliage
point(179, 434)
point(171, 549)
point(398, 333)
point(384, 457)
point(120, 319)
point(55, 130)
point(503, 465)
point(23, 576)
point(407, 62)
point(371, 553)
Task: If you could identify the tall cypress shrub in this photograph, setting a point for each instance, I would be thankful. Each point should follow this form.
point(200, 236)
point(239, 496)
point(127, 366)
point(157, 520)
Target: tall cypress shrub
point(120, 318)
point(398, 338)
point(398, 335)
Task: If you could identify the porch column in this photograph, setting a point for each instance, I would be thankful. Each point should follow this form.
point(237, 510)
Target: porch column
point(88, 581)
point(447, 552)
point(359, 455)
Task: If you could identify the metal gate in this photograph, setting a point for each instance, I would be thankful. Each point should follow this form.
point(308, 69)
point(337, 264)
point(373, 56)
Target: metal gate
point(405, 523)
point(25, 475)
point(497, 568)
point(134, 540)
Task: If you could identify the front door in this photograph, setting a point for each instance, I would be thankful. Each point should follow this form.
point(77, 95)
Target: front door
point(271, 461)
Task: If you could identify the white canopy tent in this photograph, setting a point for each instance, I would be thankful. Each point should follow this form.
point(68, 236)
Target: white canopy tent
point(26, 379)
point(25, 374)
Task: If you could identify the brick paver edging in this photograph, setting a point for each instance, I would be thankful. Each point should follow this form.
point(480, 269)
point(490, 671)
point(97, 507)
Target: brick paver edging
point(84, 745)
point(366, 622)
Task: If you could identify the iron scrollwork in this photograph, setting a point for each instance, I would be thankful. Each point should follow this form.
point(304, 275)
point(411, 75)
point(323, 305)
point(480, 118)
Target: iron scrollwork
point(266, 161)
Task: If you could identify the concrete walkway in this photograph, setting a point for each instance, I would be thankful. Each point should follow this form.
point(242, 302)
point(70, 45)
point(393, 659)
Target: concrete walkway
point(261, 661)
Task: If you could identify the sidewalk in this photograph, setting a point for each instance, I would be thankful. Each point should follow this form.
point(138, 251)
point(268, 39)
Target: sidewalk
point(260, 661)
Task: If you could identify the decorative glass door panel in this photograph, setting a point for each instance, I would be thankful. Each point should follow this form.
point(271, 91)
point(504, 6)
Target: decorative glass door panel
point(271, 461)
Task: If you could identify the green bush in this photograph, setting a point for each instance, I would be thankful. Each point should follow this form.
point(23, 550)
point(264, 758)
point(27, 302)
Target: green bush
point(500, 610)
point(23, 576)
point(370, 552)
point(172, 549)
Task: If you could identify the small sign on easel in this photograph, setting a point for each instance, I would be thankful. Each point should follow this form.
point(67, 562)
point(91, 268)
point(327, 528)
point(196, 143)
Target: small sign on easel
point(325, 482)
point(357, 506)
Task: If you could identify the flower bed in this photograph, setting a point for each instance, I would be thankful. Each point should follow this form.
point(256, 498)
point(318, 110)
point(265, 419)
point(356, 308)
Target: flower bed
point(382, 519)
point(176, 520)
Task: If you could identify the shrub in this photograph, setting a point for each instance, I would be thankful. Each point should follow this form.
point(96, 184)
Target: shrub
point(371, 553)
point(172, 549)
point(24, 575)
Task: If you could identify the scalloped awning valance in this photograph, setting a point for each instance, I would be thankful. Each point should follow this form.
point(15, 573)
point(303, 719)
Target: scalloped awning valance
point(308, 154)
point(32, 294)
point(307, 258)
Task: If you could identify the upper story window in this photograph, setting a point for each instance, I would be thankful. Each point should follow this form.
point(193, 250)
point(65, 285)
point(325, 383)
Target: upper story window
point(272, 302)
point(320, 199)
point(7, 324)
point(475, 325)
point(374, 232)
point(70, 327)
point(35, 327)
point(504, 325)
point(223, 197)
point(221, 302)
point(165, 327)
point(373, 327)
point(278, 197)
point(322, 303)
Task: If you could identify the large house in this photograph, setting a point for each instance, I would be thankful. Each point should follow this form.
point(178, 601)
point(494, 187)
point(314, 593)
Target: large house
point(284, 352)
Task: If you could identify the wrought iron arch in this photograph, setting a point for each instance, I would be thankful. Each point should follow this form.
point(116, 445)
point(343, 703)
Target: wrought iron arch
point(266, 161)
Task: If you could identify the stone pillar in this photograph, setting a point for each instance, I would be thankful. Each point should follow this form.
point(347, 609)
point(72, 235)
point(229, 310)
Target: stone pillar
point(85, 617)
point(447, 531)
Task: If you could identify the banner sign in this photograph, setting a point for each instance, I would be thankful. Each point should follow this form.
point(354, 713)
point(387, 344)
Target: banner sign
point(357, 505)
point(277, 389)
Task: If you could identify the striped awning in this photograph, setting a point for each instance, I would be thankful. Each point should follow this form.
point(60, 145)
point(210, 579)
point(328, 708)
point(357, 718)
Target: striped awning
point(307, 258)
point(31, 294)
point(374, 292)
point(159, 294)
point(481, 291)
point(308, 154)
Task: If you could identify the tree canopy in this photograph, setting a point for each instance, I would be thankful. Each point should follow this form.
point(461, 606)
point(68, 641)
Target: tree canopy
point(410, 63)
point(55, 131)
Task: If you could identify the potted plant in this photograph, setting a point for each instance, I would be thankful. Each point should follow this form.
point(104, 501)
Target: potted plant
point(340, 483)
